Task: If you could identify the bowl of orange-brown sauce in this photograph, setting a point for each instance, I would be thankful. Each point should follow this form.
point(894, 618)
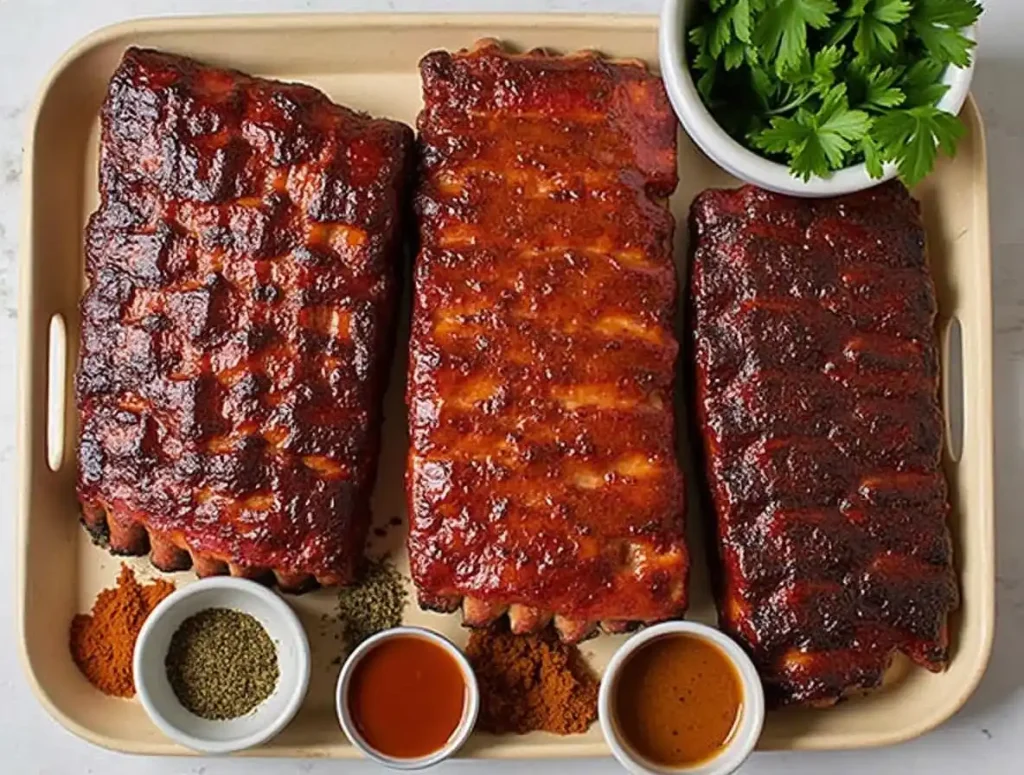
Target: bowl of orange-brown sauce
point(407, 698)
point(681, 697)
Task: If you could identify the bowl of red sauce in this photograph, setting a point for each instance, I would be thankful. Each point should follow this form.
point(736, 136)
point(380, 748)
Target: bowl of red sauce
point(681, 697)
point(407, 698)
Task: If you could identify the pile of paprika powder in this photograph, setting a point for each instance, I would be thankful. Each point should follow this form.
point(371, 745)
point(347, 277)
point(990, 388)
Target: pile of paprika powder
point(102, 642)
point(531, 682)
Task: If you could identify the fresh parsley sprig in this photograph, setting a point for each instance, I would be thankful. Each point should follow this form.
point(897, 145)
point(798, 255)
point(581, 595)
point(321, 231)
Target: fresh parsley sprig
point(826, 84)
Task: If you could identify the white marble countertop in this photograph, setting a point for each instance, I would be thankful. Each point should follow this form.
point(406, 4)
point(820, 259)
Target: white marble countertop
point(987, 736)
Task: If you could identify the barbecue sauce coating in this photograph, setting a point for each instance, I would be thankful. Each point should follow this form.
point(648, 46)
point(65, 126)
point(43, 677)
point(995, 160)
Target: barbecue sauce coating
point(241, 282)
point(542, 473)
point(817, 396)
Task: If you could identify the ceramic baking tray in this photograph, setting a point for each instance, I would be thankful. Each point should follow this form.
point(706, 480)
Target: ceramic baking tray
point(369, 62)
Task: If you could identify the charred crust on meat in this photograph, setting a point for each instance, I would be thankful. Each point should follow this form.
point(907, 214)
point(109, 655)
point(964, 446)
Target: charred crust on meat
point(816, 368)
point(99, 533)
point(219, 406)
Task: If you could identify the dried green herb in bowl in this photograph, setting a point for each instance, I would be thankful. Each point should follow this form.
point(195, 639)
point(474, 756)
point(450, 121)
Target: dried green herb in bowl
point(221, 664)
point(823, 85)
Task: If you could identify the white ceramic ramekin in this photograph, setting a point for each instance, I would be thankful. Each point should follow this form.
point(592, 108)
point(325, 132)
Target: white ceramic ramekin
point(746, 733)
point(470, 708)
point(741, 162)
point(270, 716)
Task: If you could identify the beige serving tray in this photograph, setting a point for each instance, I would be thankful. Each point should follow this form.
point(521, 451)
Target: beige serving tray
point(369, 62)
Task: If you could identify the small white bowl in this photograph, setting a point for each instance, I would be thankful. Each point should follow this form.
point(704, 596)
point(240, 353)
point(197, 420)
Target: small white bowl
point(268, 718)
point(743, 163)
point(470, 707)
point(744, 737)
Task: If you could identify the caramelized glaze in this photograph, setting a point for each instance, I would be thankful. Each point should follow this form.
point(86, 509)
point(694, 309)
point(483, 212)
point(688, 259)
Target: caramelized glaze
point(542, 474)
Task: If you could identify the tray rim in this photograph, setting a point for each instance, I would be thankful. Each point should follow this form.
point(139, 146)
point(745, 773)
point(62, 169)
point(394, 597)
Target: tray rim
point(339, 20)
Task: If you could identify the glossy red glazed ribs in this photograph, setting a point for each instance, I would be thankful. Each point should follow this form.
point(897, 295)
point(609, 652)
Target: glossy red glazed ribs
point(542, 476)
point(817, 379)
point(236, 324)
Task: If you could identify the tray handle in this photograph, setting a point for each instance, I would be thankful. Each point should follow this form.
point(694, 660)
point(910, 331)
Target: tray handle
point(56, 391)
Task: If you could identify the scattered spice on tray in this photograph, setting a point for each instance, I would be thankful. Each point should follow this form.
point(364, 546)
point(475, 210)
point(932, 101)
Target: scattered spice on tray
point(103, 641)
point(531, 682)
point(382, 530)
point(221, 663)
point(374, 603)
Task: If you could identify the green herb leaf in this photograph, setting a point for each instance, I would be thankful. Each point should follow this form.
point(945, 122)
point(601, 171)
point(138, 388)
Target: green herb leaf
point(826, 64)
point(841, 30)
point(890, 11)
point(921, 84)
point(819, 73)
point(735, 54)
point(783, 133)
point(702, 60)
point(952, 13)
point(706, 85)
point(781, 33)
point(741, 20)
point(698, 37)
point(762, 84)
point(817, 142)
point(937, 24)
point(719, 34)
point(945, 44)
point(912, 138)
point(877, 32)
point(873, 38)
point(923, 72)
point(836, 120)
point(880, 92)
point(872, 156)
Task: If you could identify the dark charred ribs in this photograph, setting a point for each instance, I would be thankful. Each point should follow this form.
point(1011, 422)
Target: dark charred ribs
point(236, 324)
point(542, 476)
point(817, 380)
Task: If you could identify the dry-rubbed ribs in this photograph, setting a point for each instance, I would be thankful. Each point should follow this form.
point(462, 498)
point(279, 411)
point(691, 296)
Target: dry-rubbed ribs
point(817, 380)
point(542, 477)
point(236, 321)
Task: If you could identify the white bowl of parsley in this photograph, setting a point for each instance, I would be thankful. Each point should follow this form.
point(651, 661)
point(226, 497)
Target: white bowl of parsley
point(820, 97)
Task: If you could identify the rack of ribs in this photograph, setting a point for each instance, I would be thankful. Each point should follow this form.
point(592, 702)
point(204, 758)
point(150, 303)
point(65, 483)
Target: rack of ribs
point(817, 397)
point(236, 322)
point(542, 477)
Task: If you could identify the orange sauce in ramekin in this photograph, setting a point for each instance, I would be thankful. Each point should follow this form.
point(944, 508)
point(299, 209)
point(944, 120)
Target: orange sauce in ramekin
point(678, 700)
point(407, 697)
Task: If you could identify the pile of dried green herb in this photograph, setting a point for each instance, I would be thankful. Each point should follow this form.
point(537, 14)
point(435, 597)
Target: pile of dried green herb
point(374, 604)
point(221, 664)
